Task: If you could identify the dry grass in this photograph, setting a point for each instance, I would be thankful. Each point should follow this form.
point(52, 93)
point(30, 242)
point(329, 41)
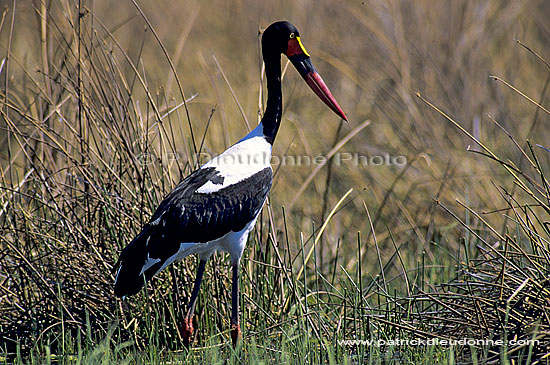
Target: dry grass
point(85, 99)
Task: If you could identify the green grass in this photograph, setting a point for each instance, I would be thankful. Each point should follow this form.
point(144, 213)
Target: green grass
point(452, 245)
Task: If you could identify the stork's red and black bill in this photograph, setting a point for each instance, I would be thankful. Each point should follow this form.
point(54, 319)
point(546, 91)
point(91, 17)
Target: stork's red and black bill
point(297, 54)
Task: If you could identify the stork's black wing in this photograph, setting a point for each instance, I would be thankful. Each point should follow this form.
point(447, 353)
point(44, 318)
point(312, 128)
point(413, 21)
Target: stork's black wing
point(186, 215)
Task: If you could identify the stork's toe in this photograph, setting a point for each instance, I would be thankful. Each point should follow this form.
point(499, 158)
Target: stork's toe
point(236, 334)
point(187, 330)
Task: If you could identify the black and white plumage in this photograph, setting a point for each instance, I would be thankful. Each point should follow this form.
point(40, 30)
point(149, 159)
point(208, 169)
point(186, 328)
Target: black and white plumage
point(216, 206)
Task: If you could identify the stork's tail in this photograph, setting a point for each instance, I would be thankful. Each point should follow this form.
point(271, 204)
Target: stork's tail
point(134, 266)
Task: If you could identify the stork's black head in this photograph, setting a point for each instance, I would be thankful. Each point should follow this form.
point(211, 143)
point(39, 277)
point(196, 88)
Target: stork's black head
point(283, 38)
point(276, 38)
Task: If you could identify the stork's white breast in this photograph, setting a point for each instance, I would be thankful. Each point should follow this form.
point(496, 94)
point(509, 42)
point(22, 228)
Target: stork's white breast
point(250, 155)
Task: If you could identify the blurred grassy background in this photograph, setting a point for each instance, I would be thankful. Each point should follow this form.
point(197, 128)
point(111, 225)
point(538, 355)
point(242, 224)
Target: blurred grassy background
point(373, 55)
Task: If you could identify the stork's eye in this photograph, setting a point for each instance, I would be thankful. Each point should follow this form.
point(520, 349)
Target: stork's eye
point(292, 35)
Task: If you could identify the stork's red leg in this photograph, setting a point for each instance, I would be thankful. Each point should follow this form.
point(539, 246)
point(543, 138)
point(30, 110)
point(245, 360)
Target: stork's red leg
point(235, 328)
point(188, 329)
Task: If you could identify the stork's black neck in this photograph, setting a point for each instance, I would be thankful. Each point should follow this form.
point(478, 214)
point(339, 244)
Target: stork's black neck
point(274, 109)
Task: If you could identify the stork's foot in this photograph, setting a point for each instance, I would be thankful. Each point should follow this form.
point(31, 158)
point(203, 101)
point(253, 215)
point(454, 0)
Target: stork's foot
point(236, 334)
point(187, 330)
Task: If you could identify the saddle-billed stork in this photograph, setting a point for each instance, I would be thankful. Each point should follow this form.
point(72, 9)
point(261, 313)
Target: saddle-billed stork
point(216, 206)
